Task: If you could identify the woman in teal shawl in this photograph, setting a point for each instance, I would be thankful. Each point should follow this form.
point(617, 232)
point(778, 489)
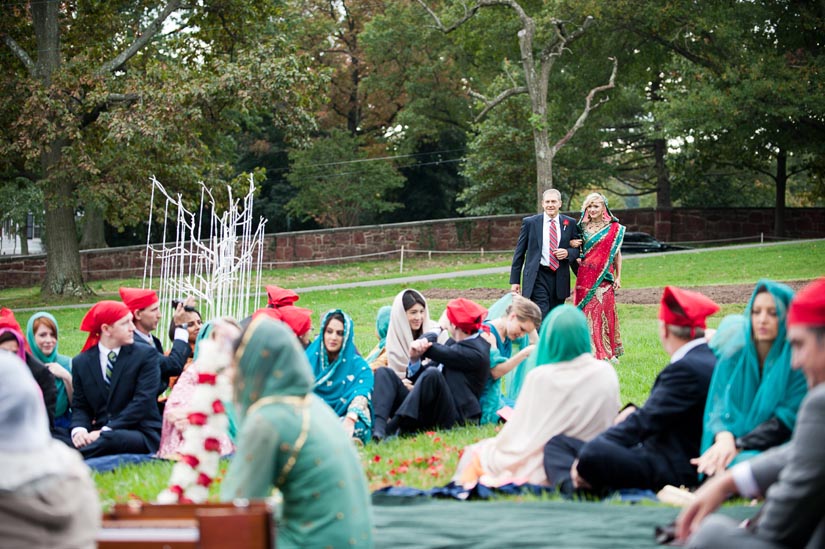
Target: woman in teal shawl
point(342, 378)
point(378, 356)
point(754, 394)
point(511, 319)
point(291, 441)
point(41, 333)
point(567, 392)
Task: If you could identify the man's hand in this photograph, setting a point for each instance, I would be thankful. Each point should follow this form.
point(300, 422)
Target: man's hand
point(418, 347)
point(708, 498)
point(408, 384)
point(576, 242)
point(515, 288)
point(578, 481)
point(560, 253)
point(84, 438)
point(718, 456)
point(181, 314)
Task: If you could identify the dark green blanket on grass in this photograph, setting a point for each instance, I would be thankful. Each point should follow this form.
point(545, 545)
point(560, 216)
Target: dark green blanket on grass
point(426, 522)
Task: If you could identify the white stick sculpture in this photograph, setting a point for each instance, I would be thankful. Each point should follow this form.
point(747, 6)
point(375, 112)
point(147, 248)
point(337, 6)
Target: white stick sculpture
point(221, 271)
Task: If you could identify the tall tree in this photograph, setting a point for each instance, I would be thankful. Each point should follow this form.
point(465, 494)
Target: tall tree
point(120, 91)
point(538, 51)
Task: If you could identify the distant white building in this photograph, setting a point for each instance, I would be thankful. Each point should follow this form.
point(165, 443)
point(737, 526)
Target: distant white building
point(10, 243)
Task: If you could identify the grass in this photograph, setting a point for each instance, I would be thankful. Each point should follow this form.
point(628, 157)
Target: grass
point(429, 459)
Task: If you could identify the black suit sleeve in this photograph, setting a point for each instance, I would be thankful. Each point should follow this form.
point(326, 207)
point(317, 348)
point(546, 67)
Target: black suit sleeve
point(80, 405)
point(45, 380)
point(676, 390)
point(765, 435)
point(520, 253)
point(145, 394)
point(456, 357)
point(173, 363)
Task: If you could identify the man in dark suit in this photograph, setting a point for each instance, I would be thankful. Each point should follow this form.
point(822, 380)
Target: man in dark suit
point(653, 445)
point(544, 251)
point(447, 388)
point(114, 409)
point(145, 308)
point(790, 477)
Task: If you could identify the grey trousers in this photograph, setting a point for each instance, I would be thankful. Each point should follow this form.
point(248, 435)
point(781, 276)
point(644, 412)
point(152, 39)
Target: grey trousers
point(723, 532)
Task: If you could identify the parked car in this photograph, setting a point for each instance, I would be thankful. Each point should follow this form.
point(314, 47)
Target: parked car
point(643, 243)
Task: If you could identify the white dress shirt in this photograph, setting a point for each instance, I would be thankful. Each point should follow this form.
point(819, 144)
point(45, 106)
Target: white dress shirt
point(545, 238)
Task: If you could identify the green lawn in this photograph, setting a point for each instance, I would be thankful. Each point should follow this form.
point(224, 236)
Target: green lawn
point(430, 458)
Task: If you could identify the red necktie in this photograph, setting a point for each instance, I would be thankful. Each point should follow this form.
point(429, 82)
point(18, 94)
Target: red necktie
point(552, 262)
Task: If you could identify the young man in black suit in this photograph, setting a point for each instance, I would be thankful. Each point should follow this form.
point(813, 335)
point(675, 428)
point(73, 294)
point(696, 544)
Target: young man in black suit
point(447, 388)
point(544, 250)
point(651, 446)
point(145, 308)
point(114, 409)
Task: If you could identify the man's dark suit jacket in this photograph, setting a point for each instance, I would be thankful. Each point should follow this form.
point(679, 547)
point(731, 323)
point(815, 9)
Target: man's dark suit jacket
point(130, 403)
point(466, 368)
point(171, 364)
point(528, 254)
point(668, 428)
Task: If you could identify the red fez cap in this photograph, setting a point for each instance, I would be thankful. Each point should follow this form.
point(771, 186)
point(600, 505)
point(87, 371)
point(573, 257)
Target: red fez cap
point(102, 312)
point(297, 318)
point(685, 308)
point(278, 297)
point(137, 299)
point(808, 306)
point(466, 315)
point(7, 320)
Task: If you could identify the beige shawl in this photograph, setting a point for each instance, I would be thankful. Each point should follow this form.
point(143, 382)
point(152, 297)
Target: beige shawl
point(578, 398)
point(399, 334)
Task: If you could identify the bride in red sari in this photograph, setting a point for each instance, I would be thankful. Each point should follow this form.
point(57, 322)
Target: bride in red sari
point(598, 276)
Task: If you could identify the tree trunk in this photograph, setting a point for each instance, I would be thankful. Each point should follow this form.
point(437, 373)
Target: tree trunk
point(781, 186)
point(544, 164)
point(93, 234)
point(63, 273)
point(24, 235)
point(662, 218)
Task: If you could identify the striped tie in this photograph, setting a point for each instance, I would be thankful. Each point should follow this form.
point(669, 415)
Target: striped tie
point(110, 366)
point(552, 262)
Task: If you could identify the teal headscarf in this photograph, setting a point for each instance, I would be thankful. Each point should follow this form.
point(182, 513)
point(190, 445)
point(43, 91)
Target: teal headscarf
point(62, 404)
point(346, 378)
point(564, 336)
point(741, 397)
point(382, 324)
point(203, 333)
point(269, 363)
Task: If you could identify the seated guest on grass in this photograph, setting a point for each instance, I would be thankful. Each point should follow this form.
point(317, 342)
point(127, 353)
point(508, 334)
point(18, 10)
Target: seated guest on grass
point(517, 322)
point(291, 440)
point(179, 404)
point(11, 339)
point(409, 318)
point(41, 335)
point(447, 387)
point(378, 356)
point(47, 497)
point(115, 409)
point(145, 308)
point(569, 392)
point(790, 477)
point(653, 446)
point(754, 394)
point(343, 379)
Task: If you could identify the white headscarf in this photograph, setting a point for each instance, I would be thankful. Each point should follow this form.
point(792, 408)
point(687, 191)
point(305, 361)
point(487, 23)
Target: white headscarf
point(399, 334)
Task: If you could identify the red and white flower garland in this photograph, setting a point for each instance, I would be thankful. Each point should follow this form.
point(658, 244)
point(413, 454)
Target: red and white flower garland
point(201, 447)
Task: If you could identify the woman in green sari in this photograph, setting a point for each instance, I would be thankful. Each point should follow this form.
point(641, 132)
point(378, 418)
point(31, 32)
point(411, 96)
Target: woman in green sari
point(290, 440)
